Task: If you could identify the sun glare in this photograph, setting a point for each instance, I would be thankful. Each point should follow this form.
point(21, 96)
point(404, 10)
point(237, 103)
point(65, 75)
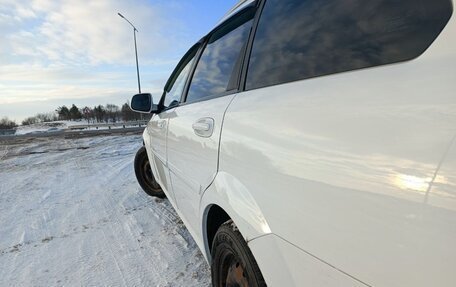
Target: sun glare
point(405, 181)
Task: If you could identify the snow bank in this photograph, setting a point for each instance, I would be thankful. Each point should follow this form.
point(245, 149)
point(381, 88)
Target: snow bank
point(46, 127)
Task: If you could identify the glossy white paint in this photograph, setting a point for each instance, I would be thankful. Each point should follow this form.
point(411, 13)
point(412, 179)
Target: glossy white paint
point(192, 157)
point(229, 194)
point(156, 133)
point(283, 264)
point(343, 180)
point(347, 166)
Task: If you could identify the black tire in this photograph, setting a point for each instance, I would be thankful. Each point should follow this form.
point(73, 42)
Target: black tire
point(233, 263)
point(144, 175)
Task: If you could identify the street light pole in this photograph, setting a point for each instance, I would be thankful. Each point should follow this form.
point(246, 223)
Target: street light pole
point(136, 50)
point(137, 65)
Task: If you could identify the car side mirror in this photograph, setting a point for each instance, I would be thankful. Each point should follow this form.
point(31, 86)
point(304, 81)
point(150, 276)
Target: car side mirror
point(143, 103)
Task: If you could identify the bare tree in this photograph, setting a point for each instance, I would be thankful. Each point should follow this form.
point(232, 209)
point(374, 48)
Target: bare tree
point(99, 113)
point(112, 112)
point(6, 124)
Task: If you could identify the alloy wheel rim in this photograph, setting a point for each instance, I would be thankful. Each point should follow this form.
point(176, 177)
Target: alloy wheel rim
point(233, 272)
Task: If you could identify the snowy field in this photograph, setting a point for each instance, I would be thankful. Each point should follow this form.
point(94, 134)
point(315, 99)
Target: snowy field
point(72, 214)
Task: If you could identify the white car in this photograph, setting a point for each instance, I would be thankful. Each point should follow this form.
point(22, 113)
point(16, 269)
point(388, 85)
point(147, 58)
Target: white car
point(313, 143)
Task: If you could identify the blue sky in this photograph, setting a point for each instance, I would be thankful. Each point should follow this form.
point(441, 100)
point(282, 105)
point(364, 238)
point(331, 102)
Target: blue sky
point(60, 52)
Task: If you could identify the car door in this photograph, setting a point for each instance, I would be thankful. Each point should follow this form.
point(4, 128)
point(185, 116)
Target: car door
point(157, 127)
point(194, 129)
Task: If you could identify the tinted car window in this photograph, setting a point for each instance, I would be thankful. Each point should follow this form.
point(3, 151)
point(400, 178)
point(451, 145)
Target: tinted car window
point(299, 39)
point(176, 83)
point(213, 74)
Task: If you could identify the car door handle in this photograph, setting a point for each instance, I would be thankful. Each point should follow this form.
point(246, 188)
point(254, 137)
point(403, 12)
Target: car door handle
point(201, 127)
point(204, 127)
point(161, 124)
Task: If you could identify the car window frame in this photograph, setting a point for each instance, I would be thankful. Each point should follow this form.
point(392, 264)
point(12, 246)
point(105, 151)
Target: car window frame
point(176, 72)
point(238, 68)
point(248, 50)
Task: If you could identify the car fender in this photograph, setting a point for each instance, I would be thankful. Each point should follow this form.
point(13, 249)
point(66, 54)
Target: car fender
point(234, 198)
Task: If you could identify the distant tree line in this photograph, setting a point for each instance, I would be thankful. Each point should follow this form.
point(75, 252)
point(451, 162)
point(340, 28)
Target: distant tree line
point(7, 124)
point(110, 114)
point(40, 118)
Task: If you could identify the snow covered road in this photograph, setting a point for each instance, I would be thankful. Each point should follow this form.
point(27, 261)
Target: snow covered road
point(72, 213)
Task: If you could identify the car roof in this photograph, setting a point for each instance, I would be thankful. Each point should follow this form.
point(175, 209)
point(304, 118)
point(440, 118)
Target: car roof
point(236, 8)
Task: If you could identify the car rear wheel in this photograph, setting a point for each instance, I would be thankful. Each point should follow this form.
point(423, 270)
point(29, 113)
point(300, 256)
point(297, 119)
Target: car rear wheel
point(233, 263)
point(144, 175)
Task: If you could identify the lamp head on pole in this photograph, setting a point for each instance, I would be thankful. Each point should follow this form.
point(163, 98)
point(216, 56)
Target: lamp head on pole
point(122, 16)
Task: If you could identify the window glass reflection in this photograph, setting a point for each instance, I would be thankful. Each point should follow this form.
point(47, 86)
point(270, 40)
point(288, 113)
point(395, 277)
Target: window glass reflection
point(173, 96)
point(299, 39)
point(214, 71)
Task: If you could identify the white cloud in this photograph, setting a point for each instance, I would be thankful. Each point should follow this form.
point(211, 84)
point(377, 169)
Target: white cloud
point(28, 83)
point(24, 13)
point(81, 49)
point(55, 50)
point(43, 93)
point(90, 32)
